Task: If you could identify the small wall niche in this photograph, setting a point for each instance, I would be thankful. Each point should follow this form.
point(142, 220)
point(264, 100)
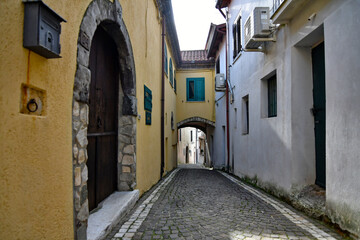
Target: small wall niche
point(33, 100)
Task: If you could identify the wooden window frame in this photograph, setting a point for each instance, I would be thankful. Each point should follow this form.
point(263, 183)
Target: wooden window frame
point(236, 28)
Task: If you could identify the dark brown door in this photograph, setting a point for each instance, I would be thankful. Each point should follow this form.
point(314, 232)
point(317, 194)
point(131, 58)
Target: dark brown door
point(103, 115)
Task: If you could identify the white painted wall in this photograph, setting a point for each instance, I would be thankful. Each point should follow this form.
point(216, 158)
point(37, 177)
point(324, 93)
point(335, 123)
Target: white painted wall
point(280, 151)
point(342, 51)
point(219, 146)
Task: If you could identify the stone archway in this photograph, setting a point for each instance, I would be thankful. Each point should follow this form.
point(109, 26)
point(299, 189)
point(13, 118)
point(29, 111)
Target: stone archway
point(107, 15)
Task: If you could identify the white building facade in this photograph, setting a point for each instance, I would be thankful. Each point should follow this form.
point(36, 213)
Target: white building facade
point(295, 113)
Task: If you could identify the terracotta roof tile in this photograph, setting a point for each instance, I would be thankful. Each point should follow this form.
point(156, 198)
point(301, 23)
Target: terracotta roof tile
point(194, 56)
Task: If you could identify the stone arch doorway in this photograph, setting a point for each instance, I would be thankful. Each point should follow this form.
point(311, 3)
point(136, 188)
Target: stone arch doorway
point(105, 16)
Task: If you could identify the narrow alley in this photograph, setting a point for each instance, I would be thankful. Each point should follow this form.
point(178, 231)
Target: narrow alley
point(207, 204)
point(179, 119)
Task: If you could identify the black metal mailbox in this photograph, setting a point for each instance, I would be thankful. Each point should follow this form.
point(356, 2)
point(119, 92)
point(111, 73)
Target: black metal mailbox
point(42, 29)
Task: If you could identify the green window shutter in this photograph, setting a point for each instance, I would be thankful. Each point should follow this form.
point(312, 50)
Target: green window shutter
point(171, 73)
point(147, 118)
point(166, 61)
point(147, 99)
point(199, 89)
point(195, 89)
point(175, 85)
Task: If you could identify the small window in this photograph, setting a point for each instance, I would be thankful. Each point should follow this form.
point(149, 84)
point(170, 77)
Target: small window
point(217, 66)
point(191, 137)
point(195, 89)
point(174, 84)
point(180, 135)
point(237, 36)
point(166, 60)
point(235, 113)
point(171, 79)
point(245, 115)
point(172, 121)
point(272, 96)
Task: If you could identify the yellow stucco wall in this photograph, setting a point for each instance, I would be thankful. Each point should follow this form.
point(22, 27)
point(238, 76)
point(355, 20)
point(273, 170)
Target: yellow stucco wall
point(36, 192)
point(205, 109)
point(170, 107)
point(36, 178)
point(141, 19)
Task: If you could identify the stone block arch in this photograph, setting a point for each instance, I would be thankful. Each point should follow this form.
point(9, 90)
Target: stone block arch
point(107, 15)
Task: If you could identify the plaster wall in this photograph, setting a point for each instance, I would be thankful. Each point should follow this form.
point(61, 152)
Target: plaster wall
point(265, 152)
point(170, 110)
point(144, 27)
point(279, 152)
point(36, 169)
point(342, 115)
point(219, 145)
point(203, 109)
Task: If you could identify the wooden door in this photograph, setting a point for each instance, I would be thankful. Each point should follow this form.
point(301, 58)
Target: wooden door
point(319, 112)
point(103, 117)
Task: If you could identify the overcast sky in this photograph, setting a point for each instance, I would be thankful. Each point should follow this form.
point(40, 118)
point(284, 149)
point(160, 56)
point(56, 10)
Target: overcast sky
point(192, 20)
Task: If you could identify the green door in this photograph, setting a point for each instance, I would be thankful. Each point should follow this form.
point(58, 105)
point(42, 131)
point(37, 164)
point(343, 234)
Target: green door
point(319, 112)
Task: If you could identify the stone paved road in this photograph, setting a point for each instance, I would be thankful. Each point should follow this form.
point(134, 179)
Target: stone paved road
point(205, 204)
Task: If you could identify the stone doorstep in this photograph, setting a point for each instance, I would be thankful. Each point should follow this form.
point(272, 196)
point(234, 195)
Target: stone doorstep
point(311, 199)
point(109, 214)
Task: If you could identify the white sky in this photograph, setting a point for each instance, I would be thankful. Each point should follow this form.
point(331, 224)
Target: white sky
point(192, 20)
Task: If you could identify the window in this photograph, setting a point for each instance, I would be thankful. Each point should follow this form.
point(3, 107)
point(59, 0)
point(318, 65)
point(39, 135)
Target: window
point(217, 66)
point(166, 61)
point(191, 139)
point(180, 135)
point(245, 115)
point(175, 84)
point(147, 105)
point(272, 98)
point(172, 121)
point(237, 37)
point(171, 79)
point(195, 89)
point(235, 113)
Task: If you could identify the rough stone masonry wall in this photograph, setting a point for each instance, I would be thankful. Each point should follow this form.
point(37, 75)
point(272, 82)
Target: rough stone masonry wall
point(108, 15)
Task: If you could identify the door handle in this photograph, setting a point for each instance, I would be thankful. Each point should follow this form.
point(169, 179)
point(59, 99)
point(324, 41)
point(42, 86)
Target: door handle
point(98, 122)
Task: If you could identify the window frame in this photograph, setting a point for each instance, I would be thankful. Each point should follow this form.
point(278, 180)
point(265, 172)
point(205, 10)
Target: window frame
point(272, 96)
point(166, 60)
point(236, 30)
point(197, 81)
point(171, 77)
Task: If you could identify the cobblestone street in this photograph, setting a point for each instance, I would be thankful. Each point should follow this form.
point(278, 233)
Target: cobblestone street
point(205, 204)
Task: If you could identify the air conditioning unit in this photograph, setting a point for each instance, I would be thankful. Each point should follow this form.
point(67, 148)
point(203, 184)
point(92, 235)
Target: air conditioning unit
point(257, 25)
point(220, 82)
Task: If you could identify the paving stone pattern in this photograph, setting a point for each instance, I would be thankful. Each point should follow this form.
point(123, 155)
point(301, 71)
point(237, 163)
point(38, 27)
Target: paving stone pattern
point(205, 204)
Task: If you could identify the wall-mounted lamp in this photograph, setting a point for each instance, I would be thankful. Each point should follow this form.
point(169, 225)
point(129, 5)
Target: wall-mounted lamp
point(42, 29)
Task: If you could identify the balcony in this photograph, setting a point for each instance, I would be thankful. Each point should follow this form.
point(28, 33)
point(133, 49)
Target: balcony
point(284, 10)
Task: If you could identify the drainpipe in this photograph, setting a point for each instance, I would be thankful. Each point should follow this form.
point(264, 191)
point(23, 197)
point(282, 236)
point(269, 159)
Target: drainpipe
point(227, 92)
point(162, 98)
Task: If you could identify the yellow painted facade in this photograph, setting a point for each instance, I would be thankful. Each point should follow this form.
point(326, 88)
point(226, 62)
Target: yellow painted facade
point(205, 109)
point(143, 23)
point(170, 108)
point(36, 174)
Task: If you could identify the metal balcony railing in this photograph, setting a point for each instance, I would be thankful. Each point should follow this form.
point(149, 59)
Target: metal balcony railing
point(276, 5)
